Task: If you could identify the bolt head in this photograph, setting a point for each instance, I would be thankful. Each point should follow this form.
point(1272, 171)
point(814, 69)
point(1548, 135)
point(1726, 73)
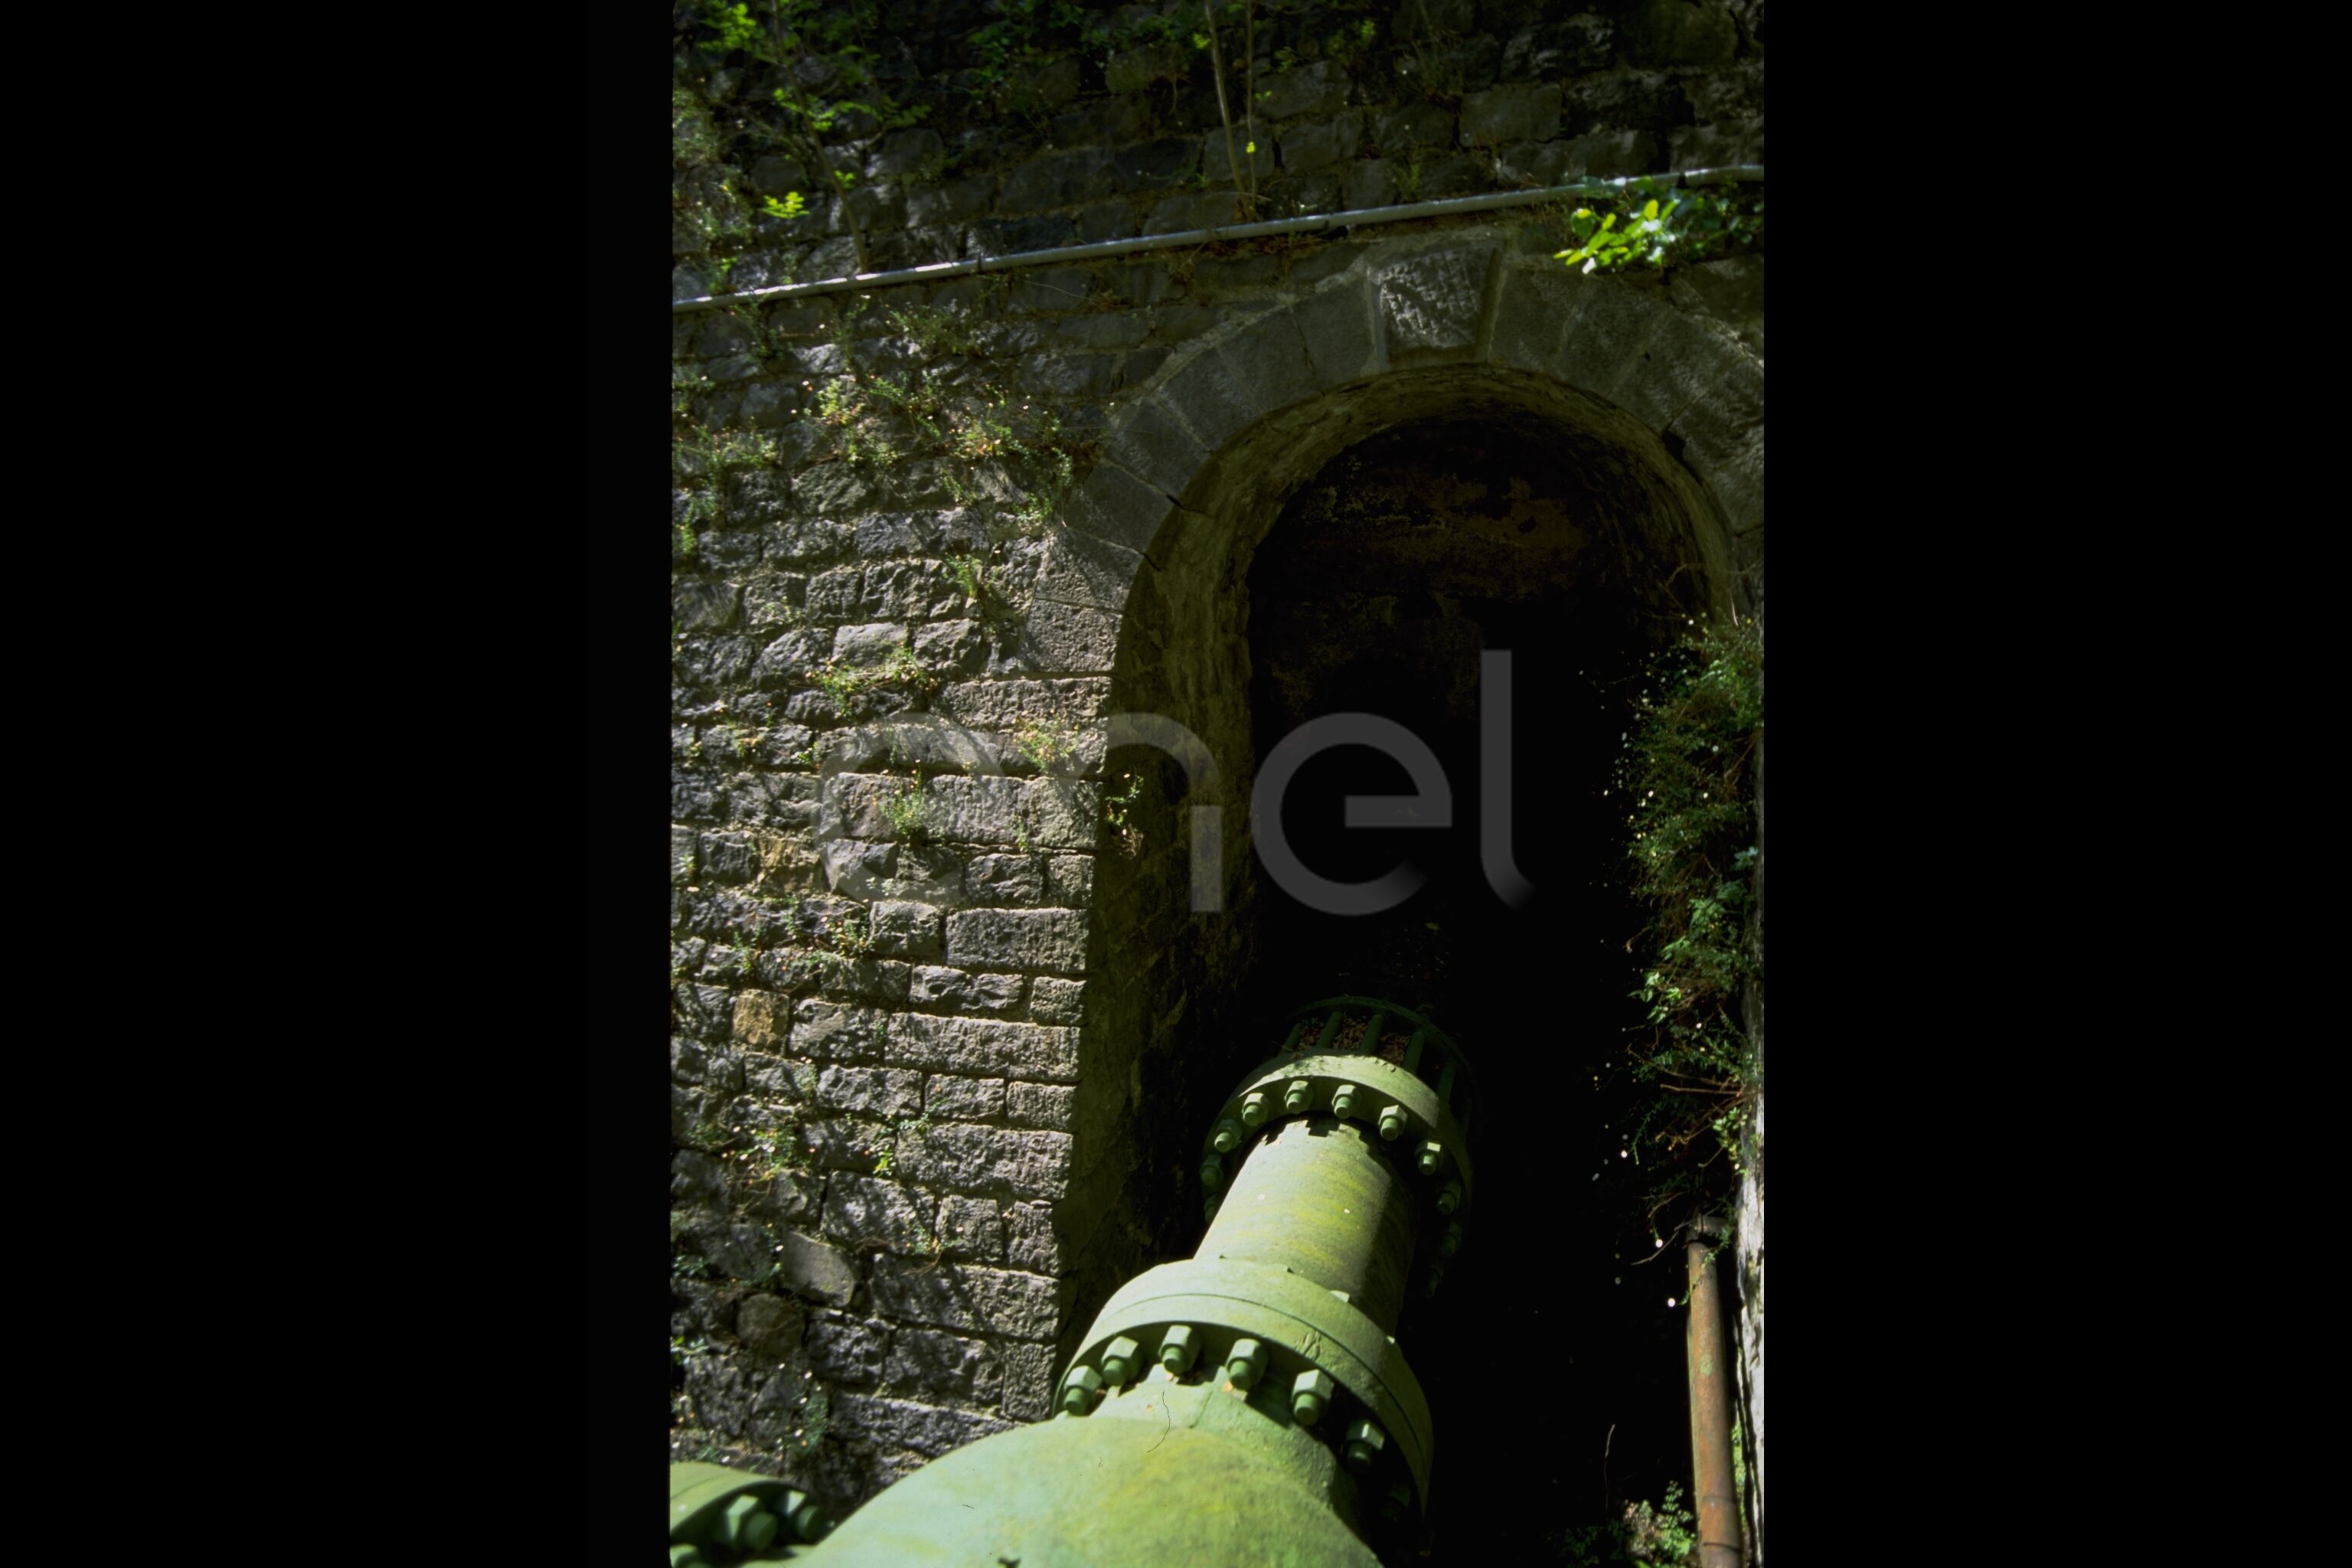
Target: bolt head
point(1081, 1390)
point(747, 1526)
point(1180, 1347)
point(1366, 1442)
point(1432, 1156)
point(1451, 1242)
point(1393, 1123)
point(1299, 1096)
point(1450, 1199)
point(1244, 1364)
point(1343, 1103)
point(1118, 1362)
point(1227, 1137)
point(1311, 1394)
point(1253, 1109)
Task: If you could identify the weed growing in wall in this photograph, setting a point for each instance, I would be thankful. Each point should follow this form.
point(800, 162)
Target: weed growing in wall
point(1659, 229)
point(1685, 774)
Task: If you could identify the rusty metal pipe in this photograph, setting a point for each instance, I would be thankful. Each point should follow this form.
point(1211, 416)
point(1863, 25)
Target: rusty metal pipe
point(1710, 1406)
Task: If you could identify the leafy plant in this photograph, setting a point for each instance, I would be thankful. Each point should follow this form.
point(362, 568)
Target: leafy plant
point(903, 809)
point(1669, 228)
point(1685, 775)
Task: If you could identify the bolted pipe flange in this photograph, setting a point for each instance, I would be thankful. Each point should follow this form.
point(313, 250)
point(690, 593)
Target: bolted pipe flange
point(1180, 1347)
point(1120, 1362)
point(1227, 1137)
point(1393, 1123)
point(1298, 1096)
point(1366, 1442)
point(1081, 1391)
point(747, 1526)
point(1343, 1102)
point(1433, 1154)
point(1449, 1197)
point(1254, 1107)
point(1310, 1394)
point(1244, 1364)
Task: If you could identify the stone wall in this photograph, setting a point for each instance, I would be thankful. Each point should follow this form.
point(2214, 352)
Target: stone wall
point(927, 539)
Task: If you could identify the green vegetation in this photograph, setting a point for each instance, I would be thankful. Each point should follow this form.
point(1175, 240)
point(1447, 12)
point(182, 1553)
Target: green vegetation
point(1665, 1534)
point(1667, 228)
point(1686, 774)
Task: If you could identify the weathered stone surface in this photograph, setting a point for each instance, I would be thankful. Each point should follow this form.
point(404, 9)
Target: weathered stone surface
point(1605, 345)
point(1019, 939)
point(906, 930)
point(868, 645)
point(925, 1360)
point(1681, 360)
point(841, 1351)
point(813, 1270)
point(953, 1099)
point(681, 854)
point(964, 992)
point(699, 604)
point(1113, 504)
point(1058, 180)
point(833, 1030)
point(1179, 214)
point(969, 1297)
point(1080, 569)
point(1397, 132)
point(1337, 324)
point(870, 1092)
point(970, 1229)
point(1028, 1381)
point(762, 1019)
point(1044, 1105)
point(1521, 113)
point(1053, 1001)
point(697, 1180)
point(1004, 879)
point(1030, 1241)
point(1681, 36)
point(1549, 51)
point(927, 1429)
point(769, 1327)
point(985, 1047)
point(866, 1212)
point(1006, 704)
point(1717, 145)
point(1723, 442)
point(1606, 155)
point(1534, 313)
point(1006, 1161)
point(1433, 301)
point(1072, 639)
point(1322, 144)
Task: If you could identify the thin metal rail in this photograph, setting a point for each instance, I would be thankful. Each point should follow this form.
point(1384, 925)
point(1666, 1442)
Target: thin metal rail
point(1741, 173)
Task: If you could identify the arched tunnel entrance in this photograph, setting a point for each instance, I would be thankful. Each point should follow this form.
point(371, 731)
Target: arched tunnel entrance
point(1367, 568)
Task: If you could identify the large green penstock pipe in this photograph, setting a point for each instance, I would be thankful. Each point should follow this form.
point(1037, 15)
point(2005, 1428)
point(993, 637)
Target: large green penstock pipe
point(1248, 1405)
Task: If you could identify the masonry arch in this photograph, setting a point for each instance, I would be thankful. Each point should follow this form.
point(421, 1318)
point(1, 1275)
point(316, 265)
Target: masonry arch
point(1155, 557)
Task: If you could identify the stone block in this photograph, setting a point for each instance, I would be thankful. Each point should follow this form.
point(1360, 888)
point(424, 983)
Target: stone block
point(1028, 1381)
point(1549, 51)
point(1153, 445)
point(699, 604)
point(1605, 345)
point(1369, 182)
point(969, 1297)
point(1183, 214)
point(1678, 35)
point(1072, 639)
point(1536, 308)
point(1680, 363)
point(1606, 155)
point(1398, 132)
point(985, 1047)
point(681, 854)
point(1006, 704)
point(1154, 166)
point(1030, 1241)
point(1218, 160)
point(1116, 506)
point(1716, 145)
point(1337, 326)
point(925, 1429)
point(1722, 433)
point(833, 1030)
point(867, 1212)
point(1041, 1105)
point(769, 1327)
point(929, 1361)
point(816, 1270)
point(1322, 144)
point(1053, 1001)
point(1434, 300)
point(1052, 939)
point(870, 1092)
point(952, 1098)
point(970, 1229)
point(1080, 569)
point(1522, 111)
point(906, 930)
point(1058, 180)
point(1002, 879)
point(1006, 1161)
point(840, 1350)
point(964, 992)
point(763, 1019)
point(1010, 237)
